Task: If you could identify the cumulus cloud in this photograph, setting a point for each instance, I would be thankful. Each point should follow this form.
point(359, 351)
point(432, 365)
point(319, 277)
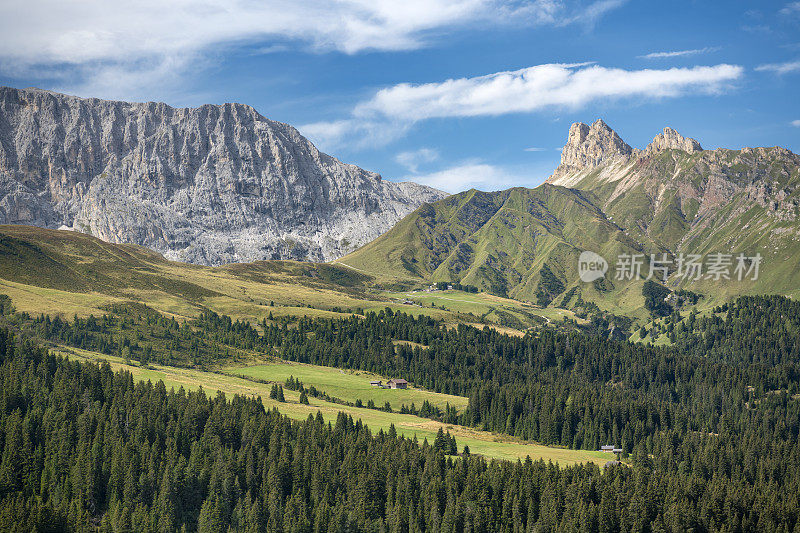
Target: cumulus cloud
point(93, 37)
point(780, 68)
point(76, 32)
point(357, 133)
point(681, 53)
point(527, 90)
point(539, 87)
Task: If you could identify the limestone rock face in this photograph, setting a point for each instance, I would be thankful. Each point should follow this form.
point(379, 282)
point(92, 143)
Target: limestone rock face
point(589, 146)
point(670, 139)
point(211, 185)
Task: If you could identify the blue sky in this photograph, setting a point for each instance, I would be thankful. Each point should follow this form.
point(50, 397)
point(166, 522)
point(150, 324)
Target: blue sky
point(475, 93)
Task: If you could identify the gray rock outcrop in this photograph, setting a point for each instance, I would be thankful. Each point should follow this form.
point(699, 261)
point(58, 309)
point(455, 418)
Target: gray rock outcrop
point(589, 146)
point(670, 139)
point(211, 185)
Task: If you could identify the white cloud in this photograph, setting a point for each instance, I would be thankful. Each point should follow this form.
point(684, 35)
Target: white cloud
point(539, 87)
point(78, 38)
point(780, 68)
point(535, 149)
point(757, 28)
point(272, 49)
point(467, 175)
point(413, 159)
point(159, 78)
point(796, 123)
point(526, 90)
point(76, 32)
point(681, 53)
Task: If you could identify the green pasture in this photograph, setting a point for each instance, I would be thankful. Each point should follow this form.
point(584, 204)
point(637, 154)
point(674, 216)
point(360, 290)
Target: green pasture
point(488, 444)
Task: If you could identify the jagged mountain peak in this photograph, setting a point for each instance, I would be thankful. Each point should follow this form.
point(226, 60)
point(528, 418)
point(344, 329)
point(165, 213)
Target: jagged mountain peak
point(670, 139)
point(588, 146)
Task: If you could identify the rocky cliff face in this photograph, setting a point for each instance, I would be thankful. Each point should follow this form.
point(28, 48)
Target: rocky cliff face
point(590, 146)
point(210, 185)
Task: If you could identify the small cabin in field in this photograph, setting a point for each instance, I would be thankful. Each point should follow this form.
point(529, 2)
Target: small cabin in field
point(376, 383)
point(397, 383)
point(609, 448)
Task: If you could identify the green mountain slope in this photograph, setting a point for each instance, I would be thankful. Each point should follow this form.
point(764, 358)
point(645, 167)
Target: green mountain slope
point(693, 202)
point(69, 273)
point(702, 202)
point(523, 243)
point(671, 198)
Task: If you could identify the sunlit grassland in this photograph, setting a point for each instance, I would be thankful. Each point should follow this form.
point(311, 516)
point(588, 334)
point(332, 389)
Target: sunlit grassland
point(348, 385)
point(67, 273)
point(480, 442)
point(37, 300)
point(481, 305)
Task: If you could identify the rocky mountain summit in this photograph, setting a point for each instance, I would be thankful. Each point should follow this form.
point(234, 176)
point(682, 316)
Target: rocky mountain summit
point(675, 196)
point(670, 139)
point(590, 146)
point(213, 184)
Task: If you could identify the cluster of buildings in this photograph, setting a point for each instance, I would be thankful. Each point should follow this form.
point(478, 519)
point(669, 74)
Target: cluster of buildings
point(434, 288)
point(399, 383)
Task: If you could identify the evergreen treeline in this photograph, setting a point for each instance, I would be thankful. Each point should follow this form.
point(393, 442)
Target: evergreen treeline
point(135, 331)
point(83, 448)
point(724, 375)
point(763, 330)
point(562, 387)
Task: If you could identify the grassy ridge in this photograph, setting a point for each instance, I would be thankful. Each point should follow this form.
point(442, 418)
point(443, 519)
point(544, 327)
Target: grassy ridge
point(51, 264)
point(68, 273)
point(525, 243)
